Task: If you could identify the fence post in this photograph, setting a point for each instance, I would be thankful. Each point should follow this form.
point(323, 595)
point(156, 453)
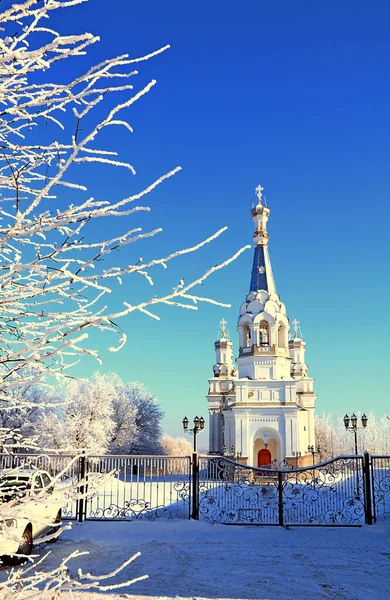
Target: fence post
point(195, 486)
point(367, 489)
point(82, 474)
point(280, 497)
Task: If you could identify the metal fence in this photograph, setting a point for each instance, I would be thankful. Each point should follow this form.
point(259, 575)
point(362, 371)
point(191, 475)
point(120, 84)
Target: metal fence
point(115, 487)
point(330, 493)
point(138, 487)
point(380, 474)
point(65, 468)
point(347, 490)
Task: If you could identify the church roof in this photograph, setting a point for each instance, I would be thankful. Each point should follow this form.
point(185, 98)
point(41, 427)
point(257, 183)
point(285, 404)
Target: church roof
point(262, 277)
point(259, 271)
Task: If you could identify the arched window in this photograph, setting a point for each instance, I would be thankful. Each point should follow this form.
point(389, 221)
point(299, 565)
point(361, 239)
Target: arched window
point(247, 336)
point(264, 334)
point(281, 336)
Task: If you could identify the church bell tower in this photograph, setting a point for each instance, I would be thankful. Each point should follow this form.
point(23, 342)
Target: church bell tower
point(264, 411)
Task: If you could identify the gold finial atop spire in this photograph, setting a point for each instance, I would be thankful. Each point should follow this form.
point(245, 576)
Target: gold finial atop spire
point(258, 191)
point(223, 324)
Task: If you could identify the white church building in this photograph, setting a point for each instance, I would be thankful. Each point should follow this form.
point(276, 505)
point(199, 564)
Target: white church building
point(263, 408)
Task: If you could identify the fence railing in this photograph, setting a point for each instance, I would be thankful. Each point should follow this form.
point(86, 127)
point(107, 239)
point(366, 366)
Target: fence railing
point(380, 481)
point(346, 490)
point(120, 487)
point(138, 487)
point(65, 467)
point(330, 493)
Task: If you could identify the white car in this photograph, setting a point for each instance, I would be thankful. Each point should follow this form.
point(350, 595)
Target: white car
point(29, 511)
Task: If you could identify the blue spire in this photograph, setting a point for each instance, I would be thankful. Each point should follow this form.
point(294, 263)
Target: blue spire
point(259, 271)
point(262, 277)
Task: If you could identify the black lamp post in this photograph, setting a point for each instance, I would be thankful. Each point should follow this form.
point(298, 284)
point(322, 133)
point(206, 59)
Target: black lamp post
point(197, 428)
point(351, 424)
point(313, 451)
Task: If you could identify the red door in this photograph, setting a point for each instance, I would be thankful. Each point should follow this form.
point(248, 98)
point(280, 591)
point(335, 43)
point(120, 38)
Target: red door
point(263, 457)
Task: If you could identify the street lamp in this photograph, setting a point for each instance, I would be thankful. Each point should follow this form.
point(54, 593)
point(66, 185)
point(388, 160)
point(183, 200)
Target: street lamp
point(197, 428)
point(351, 424)
point(313, 451)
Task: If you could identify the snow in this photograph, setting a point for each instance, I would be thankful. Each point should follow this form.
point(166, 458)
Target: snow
point(198, 560)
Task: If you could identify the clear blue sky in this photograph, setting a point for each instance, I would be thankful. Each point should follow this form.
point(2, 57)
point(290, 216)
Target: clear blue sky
point(292, 95)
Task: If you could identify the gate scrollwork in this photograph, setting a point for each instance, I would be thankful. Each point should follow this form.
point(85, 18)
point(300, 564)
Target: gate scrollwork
point(330, 493)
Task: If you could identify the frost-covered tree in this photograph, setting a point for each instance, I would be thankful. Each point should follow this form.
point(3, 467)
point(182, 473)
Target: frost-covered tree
point(375, 437)
point(324, 434)
point(102, 414)
point(19, 415)
point(84, 420)
point(50, 431)
point(137, 417)
point(56, 273)
point(334, 440)
point(176, 446)
point(88, 422)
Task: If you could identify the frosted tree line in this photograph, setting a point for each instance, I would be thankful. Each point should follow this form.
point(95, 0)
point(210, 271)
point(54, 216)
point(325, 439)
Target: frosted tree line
point(176, 446)
point(334, 440)
point(98, 415)
point(57, 273)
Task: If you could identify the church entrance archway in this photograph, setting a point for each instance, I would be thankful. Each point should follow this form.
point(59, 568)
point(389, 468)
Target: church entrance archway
point(263, 457)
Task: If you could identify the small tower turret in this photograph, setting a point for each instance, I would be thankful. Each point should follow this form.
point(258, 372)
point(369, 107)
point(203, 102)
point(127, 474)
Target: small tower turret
point(297, 348)
point(224, 366)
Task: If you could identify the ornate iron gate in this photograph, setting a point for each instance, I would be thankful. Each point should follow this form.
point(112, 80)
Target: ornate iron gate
point(380, 473)
point(137, 487)
point(115, 487)
point(330, 493)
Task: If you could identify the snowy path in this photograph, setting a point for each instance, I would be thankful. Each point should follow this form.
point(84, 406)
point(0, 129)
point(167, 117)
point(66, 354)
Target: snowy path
point(187, 559)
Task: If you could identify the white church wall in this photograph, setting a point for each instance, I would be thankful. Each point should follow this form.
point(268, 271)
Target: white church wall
point(304, 433)
point(310, 427)
point(241, 441)
point(290, 433)
point(214, 431)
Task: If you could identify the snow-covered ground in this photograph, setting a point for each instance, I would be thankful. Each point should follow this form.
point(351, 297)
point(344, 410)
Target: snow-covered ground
point(193, 560)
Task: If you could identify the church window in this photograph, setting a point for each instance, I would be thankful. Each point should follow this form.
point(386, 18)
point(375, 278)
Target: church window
point(263, 334)
point(247, 336)
point(281, 336)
